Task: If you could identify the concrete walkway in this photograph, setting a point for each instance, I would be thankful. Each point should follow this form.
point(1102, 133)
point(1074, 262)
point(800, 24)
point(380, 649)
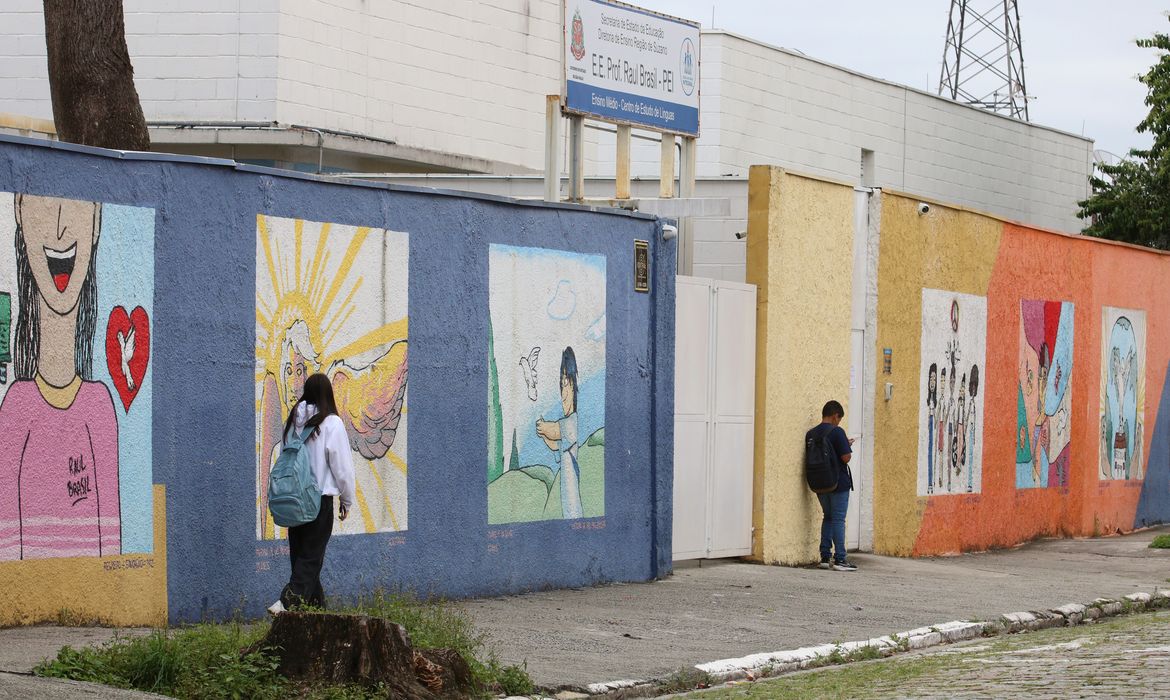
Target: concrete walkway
point(730, 609)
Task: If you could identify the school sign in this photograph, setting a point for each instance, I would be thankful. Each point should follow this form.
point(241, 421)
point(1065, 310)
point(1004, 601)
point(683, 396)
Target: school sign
point(631, 66)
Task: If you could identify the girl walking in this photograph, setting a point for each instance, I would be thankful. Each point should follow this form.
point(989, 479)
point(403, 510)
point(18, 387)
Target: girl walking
point(332, 464)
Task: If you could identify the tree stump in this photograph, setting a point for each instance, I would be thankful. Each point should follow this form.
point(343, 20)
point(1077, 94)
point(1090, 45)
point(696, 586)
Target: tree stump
point(323, 648)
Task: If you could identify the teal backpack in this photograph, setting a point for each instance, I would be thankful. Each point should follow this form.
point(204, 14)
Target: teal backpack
point(293, 496)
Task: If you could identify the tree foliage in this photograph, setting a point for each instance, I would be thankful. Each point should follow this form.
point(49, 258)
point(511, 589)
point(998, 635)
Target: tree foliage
point(91, 79)
point(1131, 202)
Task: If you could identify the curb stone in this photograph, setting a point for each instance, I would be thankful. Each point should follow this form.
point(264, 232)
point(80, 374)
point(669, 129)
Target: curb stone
point(768, 664)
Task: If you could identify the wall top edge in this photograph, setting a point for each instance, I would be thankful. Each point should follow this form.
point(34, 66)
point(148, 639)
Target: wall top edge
point(1009, 222)
point(799, 54)
point(151, 156)
point(808, 176)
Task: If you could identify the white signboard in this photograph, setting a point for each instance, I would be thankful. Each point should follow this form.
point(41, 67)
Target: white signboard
point(629, 65)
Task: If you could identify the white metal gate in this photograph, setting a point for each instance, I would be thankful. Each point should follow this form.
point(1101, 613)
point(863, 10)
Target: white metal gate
point(714, 417)
point(859, 421)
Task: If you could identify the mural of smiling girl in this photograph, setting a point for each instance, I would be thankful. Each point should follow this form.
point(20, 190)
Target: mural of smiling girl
point(75, 414)
point(58, 427)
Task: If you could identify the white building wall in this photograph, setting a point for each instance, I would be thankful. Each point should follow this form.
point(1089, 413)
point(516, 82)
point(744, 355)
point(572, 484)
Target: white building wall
point(458, 76)
point(762, 104)
point(469, 77)
point(193, 59)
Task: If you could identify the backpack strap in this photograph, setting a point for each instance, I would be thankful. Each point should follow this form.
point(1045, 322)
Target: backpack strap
point(304, 436)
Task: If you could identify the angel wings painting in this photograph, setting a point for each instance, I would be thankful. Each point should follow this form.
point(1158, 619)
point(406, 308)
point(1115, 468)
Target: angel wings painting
point(325, 313)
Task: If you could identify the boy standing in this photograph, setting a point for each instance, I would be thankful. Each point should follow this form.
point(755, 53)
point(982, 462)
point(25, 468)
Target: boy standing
point(835, 504)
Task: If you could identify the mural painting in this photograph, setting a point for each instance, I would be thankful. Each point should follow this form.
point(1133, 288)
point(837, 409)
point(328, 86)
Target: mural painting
point(333, 299)
point(546, 385)
point(1044, 396)
point(1123, 393)
point(950, 439)
point(75, 378)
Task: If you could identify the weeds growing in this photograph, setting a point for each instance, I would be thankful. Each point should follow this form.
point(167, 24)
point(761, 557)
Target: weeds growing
point(205, 661)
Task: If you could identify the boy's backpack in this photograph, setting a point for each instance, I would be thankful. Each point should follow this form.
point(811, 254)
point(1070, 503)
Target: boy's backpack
point(293, 496)
point(821, 470)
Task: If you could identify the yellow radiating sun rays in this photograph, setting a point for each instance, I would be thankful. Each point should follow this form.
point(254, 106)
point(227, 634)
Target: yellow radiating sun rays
point(310, 305)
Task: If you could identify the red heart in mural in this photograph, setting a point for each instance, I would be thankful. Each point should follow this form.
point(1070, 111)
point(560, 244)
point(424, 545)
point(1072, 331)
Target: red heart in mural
point(127, 351)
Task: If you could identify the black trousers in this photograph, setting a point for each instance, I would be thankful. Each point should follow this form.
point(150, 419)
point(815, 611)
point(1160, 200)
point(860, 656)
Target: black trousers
point(306, 550)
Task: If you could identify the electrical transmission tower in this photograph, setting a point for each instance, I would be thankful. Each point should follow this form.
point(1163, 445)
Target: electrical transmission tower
point(983, 61)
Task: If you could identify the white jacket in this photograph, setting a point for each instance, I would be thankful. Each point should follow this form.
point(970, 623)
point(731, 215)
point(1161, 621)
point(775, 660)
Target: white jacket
point(329, 454)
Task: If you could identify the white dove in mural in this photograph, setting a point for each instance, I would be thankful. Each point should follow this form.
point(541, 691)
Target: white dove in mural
point(528, 368)
point(126, 343)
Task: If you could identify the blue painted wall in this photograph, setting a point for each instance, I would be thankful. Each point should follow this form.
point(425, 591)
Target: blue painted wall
point(1154, 502)
point(203, 368)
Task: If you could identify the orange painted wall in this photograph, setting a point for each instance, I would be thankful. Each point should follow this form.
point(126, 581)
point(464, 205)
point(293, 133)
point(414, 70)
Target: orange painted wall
point(1036, 265)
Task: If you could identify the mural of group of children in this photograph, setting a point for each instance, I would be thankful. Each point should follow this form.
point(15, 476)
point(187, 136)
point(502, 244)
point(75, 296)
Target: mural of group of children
point(75, 378)
point(953, 348)
point(546, 393)
point(950, 445)
point(332, 298)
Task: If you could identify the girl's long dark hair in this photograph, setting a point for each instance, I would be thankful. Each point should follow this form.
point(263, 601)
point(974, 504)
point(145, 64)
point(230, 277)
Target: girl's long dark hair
point(932, 392)
point(569, 372)
point(318, 392)
point(26, 348)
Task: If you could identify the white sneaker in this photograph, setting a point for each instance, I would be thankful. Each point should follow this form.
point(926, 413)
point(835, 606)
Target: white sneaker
point(276, 608)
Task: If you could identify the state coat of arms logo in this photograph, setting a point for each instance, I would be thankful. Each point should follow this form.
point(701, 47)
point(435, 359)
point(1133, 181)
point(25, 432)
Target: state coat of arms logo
point(578, 44)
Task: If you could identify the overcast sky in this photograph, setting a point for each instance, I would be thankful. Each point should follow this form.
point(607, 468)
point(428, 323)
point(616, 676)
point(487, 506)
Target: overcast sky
point(1079, 55)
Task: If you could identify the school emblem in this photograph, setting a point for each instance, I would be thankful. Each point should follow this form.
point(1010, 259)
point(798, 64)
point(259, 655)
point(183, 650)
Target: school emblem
point(688, 67)
point(578, 44)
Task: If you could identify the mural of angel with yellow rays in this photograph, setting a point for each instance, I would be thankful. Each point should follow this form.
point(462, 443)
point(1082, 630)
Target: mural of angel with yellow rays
point(333, 299)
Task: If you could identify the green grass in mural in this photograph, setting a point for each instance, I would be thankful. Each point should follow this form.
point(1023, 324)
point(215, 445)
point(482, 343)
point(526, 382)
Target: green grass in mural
point(1161, 542)
point(204, 660)
point(541, 473)
point(518, 496)
point(534, 492)
point(591, 460)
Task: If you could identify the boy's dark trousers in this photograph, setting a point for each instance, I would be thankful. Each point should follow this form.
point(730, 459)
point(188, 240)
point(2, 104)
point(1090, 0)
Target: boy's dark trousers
point(306, 550)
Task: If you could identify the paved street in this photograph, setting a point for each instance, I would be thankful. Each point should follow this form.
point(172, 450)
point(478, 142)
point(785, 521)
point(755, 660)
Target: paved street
point(1126, 657)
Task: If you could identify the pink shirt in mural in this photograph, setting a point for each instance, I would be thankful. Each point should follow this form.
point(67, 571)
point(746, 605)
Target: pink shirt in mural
point(58, 474)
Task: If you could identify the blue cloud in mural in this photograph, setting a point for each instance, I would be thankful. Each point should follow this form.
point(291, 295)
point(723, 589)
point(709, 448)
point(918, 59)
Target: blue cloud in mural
point(563, 303)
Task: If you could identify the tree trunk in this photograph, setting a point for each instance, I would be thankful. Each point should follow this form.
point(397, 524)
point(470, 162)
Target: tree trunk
point(91, 79)
point(323, 648)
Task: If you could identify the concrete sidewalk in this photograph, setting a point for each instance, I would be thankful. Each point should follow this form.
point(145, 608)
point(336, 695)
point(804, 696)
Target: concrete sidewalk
point(731, 609)
point(572, 638)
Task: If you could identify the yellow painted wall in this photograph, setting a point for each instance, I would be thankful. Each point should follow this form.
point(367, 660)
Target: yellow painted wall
point(949, 249)
point(128, 590)
point(800, 257)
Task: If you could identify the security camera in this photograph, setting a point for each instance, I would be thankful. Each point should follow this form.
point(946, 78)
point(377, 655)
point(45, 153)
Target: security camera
point(740, 235)
point(923, 208)
point(669, 232)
